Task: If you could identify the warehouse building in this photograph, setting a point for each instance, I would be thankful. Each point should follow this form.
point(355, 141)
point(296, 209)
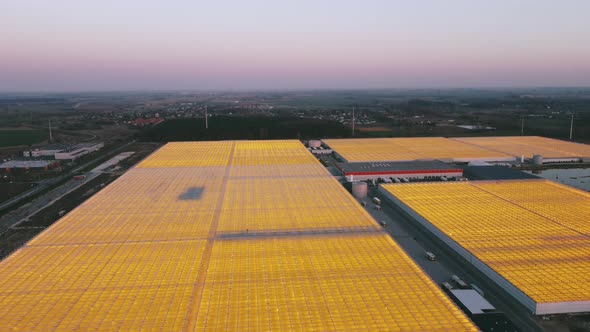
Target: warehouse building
point(534, 149)
point(531, 149)
point(47, 151)
point(19, 166)
point(531, 237)
point(64, 151)
point(228, 235)
point(411, 149)
point(78, 151)
point(398, 170)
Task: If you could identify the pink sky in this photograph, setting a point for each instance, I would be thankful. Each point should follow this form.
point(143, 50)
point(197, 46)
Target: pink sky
point(71, 45)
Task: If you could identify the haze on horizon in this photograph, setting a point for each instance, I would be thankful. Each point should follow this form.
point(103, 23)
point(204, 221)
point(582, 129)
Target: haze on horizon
point(69, 45)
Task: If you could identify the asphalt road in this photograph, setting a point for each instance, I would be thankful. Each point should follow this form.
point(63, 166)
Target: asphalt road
point(16, 216)
point(48, 183)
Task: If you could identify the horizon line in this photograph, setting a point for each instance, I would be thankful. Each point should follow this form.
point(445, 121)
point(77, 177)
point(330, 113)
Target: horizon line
point(242, 90)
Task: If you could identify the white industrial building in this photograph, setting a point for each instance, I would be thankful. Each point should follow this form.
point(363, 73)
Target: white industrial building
point(64, 151)
point(78, 151)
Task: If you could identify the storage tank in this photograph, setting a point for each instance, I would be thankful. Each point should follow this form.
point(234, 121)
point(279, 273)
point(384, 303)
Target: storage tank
point(314, 143)
point(537, 159)
point(359, 189)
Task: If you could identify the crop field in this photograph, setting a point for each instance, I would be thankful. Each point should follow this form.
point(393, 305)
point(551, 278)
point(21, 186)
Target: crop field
point(13, 137)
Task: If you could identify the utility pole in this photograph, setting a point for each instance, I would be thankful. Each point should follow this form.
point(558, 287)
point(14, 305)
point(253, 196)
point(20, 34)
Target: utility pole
point(50, 133)
point(206, 118)
point(522, 126)
point(352, 121)
point(572, 127)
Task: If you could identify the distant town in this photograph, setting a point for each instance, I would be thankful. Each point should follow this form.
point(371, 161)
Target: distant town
point(425, 178)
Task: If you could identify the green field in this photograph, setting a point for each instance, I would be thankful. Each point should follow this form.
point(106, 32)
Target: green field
point(11, 137)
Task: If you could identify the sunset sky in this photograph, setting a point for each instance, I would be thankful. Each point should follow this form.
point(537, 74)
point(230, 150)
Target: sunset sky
point(74, 45)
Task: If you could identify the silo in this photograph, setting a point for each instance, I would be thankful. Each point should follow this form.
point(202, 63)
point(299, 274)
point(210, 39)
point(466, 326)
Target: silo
point(314, 143)
point(359, 189)
point(537, 159)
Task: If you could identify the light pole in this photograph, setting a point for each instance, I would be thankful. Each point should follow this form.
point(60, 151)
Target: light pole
point(572, 127)
point(352, 121)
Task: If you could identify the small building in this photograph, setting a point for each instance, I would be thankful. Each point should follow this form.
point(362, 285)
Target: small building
point(142, 122)
point(113, 161)
point(471, 301)
point(60, 151)
point(20, 166)
point(320, 150)
point(47, 151)
point(480, 311)
point(78, 151)
point(398, 169)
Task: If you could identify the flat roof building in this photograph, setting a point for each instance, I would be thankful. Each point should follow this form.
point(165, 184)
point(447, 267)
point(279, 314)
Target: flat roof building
point(494, 172)
point(12, 165)
point(411, 149)
point(552, 150)
point(459, 149)
point(78, 150)
point(531, 237)
point(61, 151)
point(412, 169)
point(229, 235)
point(472, 301)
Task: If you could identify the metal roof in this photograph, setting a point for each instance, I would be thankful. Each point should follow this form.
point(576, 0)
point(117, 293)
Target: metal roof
point(79, 146)
point(390, 166)
point(57, 147)
point(494, 172)
point(473, 301)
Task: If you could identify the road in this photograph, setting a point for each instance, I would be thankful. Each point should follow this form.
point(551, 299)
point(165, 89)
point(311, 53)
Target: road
point(48, 200)
point(41, 186)
point(49, 183)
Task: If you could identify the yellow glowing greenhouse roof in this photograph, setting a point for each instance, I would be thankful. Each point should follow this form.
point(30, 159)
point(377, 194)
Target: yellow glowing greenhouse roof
point(326, 283)
point(534, 233)
point(221, 236)
point(530, 145)
point(408, 149)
